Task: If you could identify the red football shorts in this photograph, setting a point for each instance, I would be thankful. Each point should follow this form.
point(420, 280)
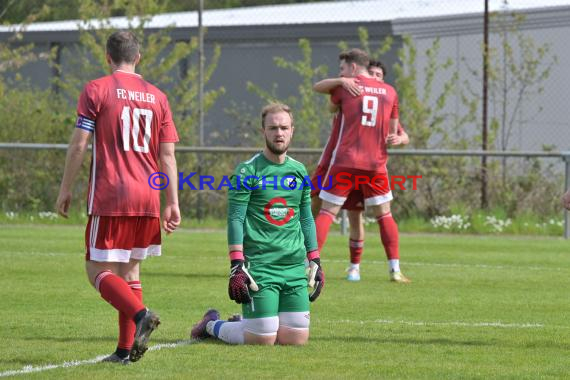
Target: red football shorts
point(374, 185)
point(354, 201)
point(317, 180)
point(121, 238)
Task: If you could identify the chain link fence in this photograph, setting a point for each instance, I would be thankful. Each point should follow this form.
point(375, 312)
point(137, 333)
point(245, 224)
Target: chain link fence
point(427, 184)
point(433, 51)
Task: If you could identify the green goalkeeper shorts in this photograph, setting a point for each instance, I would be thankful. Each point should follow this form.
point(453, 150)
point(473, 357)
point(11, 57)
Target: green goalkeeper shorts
point(282, 288)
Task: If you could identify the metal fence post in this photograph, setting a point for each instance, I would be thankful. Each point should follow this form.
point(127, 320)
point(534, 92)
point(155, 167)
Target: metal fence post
point(201, 59)
point(566, 158)
point(205, 150)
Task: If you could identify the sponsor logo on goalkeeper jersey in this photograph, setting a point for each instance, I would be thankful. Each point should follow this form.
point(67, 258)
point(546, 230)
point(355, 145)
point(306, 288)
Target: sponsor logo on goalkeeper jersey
point(344, 180)
point(277, 213)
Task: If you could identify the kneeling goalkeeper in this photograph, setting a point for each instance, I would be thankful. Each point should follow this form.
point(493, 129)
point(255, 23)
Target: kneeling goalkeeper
point(270, 233)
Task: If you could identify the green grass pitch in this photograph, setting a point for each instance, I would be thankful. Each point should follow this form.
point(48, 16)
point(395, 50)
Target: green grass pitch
point(478, 307)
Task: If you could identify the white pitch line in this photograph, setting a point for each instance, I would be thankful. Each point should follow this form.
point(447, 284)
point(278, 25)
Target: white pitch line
point(31, 369)
point(452, 323)
point(76, 363)
point(454, 265)
point(335, 261)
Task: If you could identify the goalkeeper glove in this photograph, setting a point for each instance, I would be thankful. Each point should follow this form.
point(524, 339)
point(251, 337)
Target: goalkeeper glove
point(316, 279)
point(240, 283)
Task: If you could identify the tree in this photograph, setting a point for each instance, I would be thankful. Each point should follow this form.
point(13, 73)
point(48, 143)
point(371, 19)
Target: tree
point(14, 54)
point(518, 68)
point(424, 116)
point(162, 58)
point(28, 115)
point(14, 11)
point(517, 74)
point(46, 116)
point(17, 12)
point(311, 109)
point(384, 46)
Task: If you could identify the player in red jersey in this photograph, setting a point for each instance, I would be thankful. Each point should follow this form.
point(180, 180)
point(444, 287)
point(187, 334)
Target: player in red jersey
point(355, 201)
point(358, 162)
point(133, 134)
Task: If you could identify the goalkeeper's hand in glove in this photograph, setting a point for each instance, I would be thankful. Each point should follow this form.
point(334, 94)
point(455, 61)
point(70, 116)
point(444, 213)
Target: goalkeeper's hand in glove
point(316, 279)
point(240, 283)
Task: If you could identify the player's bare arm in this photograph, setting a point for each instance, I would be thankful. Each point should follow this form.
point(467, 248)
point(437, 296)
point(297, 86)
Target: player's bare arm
point(327, 85)
point(393, 127)
point(73, 161)
point(171, 214)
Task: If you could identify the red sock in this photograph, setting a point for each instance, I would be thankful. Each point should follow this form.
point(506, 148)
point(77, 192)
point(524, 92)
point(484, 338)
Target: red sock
point(389, 235)
point(356, 248)
point(127, 325)
point(118, 293)
point(323, 222)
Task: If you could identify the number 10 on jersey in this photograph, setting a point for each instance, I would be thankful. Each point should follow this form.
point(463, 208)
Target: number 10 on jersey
point(127, 133)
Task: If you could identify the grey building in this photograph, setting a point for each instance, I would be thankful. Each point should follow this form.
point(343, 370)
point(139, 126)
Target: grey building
point(251, 37)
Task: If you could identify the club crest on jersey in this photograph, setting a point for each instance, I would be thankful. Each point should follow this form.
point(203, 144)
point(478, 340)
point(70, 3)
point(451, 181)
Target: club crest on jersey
point(276, 212)
point(291, 182)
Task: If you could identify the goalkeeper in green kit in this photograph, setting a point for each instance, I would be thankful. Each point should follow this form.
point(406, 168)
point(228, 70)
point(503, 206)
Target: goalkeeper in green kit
point(270, 233)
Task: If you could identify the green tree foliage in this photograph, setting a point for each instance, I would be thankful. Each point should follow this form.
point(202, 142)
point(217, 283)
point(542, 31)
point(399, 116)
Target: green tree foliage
point(430, 126)
point(160, 64)
point(28, 115)
point(36, 115)
point(423, 111)
point(16, 11)
point(518, 68)
point(517, 73)
point(310, 109)
point(383, 47)
point(14, 54)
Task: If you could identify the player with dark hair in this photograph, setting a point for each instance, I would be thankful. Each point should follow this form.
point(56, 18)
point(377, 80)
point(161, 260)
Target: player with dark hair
point(133, 136)
point(368, 115)
point(270, 233)
point(355, 201)
point(377, 70)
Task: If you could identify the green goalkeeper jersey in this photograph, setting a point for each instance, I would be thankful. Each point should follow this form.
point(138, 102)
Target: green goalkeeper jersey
point(269, 211)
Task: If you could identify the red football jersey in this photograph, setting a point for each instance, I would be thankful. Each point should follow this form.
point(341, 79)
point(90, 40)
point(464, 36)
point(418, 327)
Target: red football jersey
point(325, 159)
point(129, 119)
point(364, 124)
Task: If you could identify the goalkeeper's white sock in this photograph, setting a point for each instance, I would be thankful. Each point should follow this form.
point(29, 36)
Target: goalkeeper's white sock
point(229, 332)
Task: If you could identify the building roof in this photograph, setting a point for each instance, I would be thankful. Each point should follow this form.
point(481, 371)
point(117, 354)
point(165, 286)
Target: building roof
point(363, 11)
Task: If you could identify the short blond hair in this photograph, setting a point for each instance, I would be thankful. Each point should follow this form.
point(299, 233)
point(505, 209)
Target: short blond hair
point(275, 108)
